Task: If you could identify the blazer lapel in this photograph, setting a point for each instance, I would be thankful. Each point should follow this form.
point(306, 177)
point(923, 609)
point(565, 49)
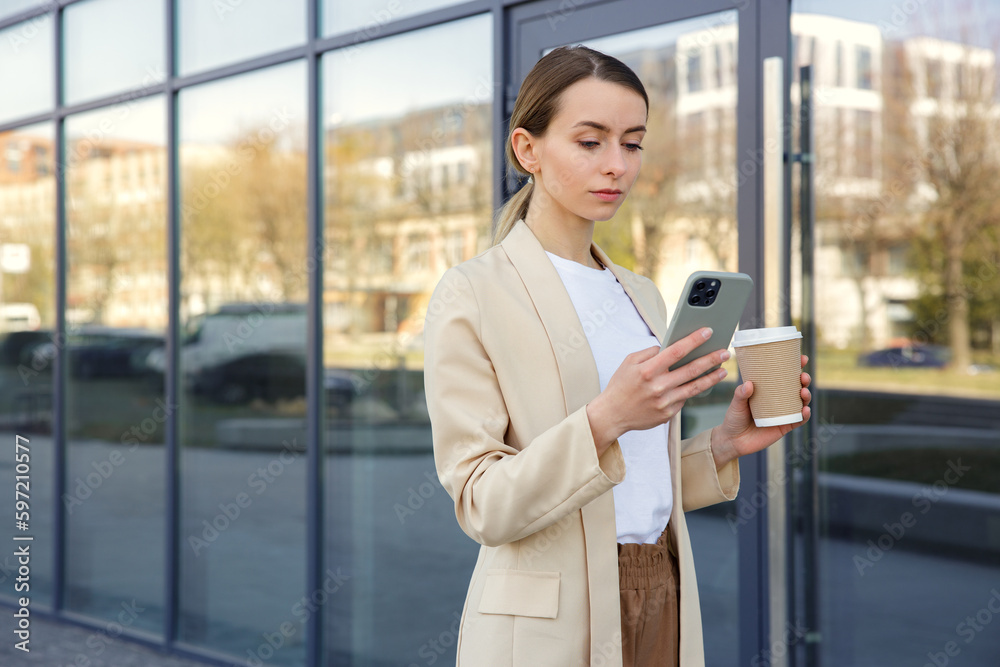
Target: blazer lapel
point(577, 368)
point(574, 358)
point(580, 384)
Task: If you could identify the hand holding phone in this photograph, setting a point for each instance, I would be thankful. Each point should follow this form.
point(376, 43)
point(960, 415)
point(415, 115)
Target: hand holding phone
point(713, 299)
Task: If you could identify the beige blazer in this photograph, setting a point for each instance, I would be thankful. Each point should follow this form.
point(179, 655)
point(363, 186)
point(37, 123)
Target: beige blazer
point(508, 374)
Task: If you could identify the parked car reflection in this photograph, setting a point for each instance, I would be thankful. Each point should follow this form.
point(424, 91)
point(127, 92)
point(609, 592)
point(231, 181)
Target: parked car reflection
point(19, 347)
point(95, 352)
point(111, 353)
point(911, 356)
point(234, 331)
point(268, 376)
point(342, 387)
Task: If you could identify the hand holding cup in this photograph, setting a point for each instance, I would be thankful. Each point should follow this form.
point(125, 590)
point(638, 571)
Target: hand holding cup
point(773, 398)
point(770, 358)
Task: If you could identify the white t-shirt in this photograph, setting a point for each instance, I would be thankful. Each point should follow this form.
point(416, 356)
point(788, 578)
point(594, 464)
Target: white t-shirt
point(615, 330)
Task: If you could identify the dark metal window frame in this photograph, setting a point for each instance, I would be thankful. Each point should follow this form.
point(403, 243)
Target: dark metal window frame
point(764, 32)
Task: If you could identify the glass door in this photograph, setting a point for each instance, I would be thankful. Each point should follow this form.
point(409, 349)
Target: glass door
point(905, 150)
point(693, 207)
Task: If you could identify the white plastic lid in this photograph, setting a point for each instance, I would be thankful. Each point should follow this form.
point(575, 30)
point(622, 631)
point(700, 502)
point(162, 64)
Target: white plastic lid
point(746, 337)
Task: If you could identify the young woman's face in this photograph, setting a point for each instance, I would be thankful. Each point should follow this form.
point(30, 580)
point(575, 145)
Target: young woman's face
point(588, 159)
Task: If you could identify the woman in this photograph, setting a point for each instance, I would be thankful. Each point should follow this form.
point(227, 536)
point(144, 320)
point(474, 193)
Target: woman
point(547, 390)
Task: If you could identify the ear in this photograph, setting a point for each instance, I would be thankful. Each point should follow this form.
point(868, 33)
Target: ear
point(525, 147)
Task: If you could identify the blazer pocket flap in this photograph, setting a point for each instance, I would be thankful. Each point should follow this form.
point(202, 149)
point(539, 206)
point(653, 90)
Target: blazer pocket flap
point(520, 593)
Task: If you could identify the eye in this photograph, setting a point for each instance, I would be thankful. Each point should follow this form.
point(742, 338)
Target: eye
point(590, 144)
point(633, 147)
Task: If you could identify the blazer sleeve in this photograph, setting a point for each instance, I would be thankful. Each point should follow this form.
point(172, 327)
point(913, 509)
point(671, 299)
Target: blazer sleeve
point(701, 483)
point(501, 493)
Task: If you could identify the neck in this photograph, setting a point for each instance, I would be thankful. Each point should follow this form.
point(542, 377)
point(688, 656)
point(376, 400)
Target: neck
point(570, 239)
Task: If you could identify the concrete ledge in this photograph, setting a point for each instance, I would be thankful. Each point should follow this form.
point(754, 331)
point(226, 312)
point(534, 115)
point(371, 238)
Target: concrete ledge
point(397, 437)
point(938, 515)
point(853, 438)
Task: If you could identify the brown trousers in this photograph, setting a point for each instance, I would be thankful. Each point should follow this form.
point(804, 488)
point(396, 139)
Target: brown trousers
point(649, 585)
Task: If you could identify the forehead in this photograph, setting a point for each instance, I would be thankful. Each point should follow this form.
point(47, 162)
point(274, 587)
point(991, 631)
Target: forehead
point(610, 104)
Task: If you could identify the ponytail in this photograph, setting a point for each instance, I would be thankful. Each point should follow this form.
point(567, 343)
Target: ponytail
point(515, 209)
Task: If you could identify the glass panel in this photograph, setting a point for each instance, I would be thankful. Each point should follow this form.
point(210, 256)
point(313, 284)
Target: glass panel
point(26, 66)
point(212, 34)
point(11, 7)
point(408, 188)
point(104, 53)
point(27, 325)
point(908, 358)
point(681, 217)
point(116, 313)
point(242, 364)
point(366, 17)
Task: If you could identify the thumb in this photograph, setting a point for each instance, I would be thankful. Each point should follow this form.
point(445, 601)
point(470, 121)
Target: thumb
point(740, 406)
point(738, 415)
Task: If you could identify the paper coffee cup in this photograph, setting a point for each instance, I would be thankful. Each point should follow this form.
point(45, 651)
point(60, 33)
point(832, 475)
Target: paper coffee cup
point(772, 359)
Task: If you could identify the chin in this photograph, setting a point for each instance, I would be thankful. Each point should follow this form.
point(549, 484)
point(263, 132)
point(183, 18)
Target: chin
point(604, 216)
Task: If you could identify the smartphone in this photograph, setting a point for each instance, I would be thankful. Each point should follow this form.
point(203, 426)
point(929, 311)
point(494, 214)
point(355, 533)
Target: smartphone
point(710, 299)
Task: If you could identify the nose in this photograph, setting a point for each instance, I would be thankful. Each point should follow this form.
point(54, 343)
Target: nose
point(615, 164)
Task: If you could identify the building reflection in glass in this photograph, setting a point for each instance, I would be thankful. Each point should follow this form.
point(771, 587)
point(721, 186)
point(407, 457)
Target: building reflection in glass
point(27, 321)
point(244, 284)
point(407, 188)
point(116, 313)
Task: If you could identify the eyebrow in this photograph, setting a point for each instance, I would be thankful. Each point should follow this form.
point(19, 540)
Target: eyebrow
point(605, 128)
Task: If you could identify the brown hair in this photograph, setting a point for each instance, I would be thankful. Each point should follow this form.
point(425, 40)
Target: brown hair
point(538, 102)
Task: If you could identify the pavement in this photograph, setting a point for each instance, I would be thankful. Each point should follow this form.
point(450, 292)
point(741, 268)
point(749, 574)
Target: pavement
point(56, 643)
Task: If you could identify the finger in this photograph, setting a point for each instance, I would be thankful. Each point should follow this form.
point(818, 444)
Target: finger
point(806, 396)
point(704, 383)
point(700, 366)
point(640, 356)
point(786, 428)
point(805, 360)
point(674, 353)
point(806, 379)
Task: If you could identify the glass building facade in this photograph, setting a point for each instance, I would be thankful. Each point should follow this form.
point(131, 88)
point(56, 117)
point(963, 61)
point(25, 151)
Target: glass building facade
point(221, 223)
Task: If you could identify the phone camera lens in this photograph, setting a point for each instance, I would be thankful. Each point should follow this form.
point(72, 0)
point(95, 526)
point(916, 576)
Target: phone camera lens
point(695, 299)
point(700, 285)
point(709, 300)
point(710, 293)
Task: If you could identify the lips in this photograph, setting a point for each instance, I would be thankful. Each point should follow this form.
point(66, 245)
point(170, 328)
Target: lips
point(607, 194)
